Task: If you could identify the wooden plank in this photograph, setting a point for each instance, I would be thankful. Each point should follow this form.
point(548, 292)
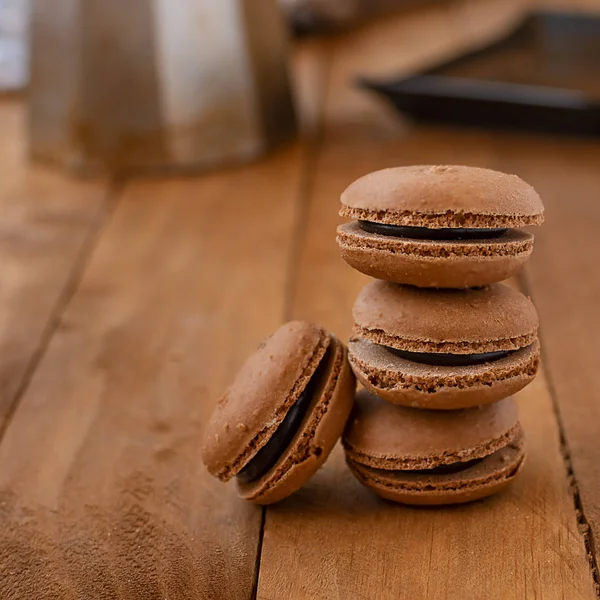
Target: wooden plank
point(334, 539)
point(564, 280)
point(46, 223)
point(103, 490)
point(102, 493)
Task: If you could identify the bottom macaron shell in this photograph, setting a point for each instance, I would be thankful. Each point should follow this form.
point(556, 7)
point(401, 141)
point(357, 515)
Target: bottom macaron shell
point(316, 437)
point(434, 263)
point(488, 476)
point(419, 385)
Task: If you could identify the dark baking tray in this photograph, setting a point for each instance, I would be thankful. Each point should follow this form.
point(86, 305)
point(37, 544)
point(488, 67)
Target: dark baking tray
point(545, 75)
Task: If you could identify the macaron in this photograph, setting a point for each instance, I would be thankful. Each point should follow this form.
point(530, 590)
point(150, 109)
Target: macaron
point(433, 457)
point(283, 413)
point(438, 226)
point(444, 348)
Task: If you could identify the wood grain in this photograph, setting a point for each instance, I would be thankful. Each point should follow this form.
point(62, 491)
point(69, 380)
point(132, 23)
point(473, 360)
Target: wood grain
point(102, 493)
point(563, 281)
point(110, 499)
point(46, 223)
point(335, 539)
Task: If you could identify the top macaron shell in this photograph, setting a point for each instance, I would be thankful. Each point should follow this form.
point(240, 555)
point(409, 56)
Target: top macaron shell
point(439, 197)
point(443, 196)
point(471, 321)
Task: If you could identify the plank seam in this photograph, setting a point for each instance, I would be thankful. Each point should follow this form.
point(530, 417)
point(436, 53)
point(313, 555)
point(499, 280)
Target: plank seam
point(309, 159)
point(80, 263)
point(583, 524)
point(261, 532)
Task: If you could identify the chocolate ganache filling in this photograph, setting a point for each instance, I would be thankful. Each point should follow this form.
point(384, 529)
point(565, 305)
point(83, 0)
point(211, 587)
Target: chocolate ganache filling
point(264, 460)
point(449, 360)
point(425, 233)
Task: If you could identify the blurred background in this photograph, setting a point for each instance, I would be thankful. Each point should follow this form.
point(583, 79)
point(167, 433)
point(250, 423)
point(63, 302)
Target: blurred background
point(196, 84)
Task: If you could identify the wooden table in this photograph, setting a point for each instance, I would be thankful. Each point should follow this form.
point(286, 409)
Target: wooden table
point(126, 306)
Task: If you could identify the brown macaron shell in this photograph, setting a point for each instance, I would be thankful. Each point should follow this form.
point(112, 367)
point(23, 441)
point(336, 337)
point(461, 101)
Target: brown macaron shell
point(439, 196)
point(383, 436)
point(434, 263)
point(409, 383)
point(393, 450)
point(471, 321)
point(267, 385)
point(474, 321)
point(317, 435)
point(490, 475)
point(264, 390)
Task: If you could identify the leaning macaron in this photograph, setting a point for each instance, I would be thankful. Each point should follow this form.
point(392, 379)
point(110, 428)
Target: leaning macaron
point(433, 457)
point(443, 349)
point(282, 415)
point(438, 226)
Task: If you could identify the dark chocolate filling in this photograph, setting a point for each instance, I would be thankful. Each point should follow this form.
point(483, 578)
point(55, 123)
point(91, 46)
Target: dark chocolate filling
point(425, 233)
point(449, 360)
point(264, 460)
point(456, 467)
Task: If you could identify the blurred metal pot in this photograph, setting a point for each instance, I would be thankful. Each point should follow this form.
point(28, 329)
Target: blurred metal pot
point(147, 84)
point(14, 15)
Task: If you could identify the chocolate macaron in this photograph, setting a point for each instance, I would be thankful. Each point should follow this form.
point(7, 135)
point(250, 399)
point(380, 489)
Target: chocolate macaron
point(438, 226)
point(282, 415)
point(433, 457)
point(443, 349)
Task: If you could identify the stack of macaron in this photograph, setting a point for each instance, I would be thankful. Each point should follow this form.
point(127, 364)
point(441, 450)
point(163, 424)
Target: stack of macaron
point(440, 344)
